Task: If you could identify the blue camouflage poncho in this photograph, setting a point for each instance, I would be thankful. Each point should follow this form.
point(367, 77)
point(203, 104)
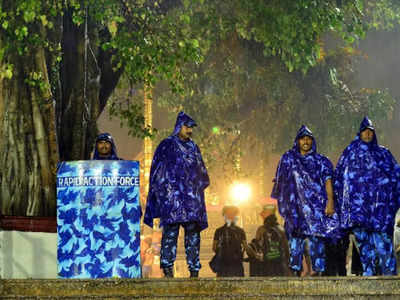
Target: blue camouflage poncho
point(106, 137)
point(366, 185)
point(178, 179)
point(300, 190)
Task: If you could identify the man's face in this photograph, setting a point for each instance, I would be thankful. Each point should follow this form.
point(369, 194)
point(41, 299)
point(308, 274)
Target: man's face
point(103, 148)
point(266, 213)
point(231, 214)
point(186, 132)
point(305, 144)
point(367, 135)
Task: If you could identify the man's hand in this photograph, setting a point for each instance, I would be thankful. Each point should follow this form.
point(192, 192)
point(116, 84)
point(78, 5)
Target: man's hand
point(259, 256)
point(329, 210)
point(330, 207)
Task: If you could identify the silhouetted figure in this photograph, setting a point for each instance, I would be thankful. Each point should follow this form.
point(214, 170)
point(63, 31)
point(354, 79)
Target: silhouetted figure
point(229, 243)
point(268, 252)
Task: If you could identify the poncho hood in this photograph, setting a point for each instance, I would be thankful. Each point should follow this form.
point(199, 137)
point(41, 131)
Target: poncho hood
point(106, 137)
point(366, 123)
point(183, 119)
point(304, 131)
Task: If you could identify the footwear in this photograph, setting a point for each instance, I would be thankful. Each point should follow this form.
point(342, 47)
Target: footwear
point(296, 273)
point(194, 274)
point(318, 274)
point(168, 272)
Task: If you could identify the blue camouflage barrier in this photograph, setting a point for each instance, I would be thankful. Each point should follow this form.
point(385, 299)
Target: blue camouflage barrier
point(98, 219)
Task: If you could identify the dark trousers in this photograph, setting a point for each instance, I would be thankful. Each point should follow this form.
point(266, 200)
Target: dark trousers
point(336, 254)
point(169, 243)
point(232, 269)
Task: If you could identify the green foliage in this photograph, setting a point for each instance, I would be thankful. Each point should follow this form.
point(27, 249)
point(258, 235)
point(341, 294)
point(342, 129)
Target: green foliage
point(383, 14)
point(36, 79)
point(289, 29)
point(146, 42)
point(126, 104)
point(152, 43)
point(258, 106)
point(144, 39)
point(239, 84)
point(130, 114)
point(24, 24)
point(6, 71)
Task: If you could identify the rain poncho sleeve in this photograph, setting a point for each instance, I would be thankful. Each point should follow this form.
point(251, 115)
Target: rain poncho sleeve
point(367, 185)
point(282, 188)
point(300, 190)
point(178, 178)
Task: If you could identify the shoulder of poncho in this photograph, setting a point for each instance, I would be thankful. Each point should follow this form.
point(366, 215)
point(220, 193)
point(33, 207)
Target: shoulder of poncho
point(288, 154)
point(167, 142)
point(386, 153)
point(323, 158)
point(384, 149)
point(166, 147)
point(348, 149)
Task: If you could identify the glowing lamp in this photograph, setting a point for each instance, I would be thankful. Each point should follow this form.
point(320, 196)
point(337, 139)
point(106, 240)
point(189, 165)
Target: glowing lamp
point(240, 192)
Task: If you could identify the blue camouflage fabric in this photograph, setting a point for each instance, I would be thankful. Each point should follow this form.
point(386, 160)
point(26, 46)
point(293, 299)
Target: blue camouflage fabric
point(192, 245)
point(316, 247)
point(375, 247)
point(98, 224)
point(366, 185)
point(106, 137)
point(178, 178)
point(300, 190)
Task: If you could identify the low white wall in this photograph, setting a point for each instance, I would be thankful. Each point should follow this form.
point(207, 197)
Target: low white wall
point(28, 255)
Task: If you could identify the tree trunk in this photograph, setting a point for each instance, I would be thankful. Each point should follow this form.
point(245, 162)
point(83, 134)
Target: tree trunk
point(87, 79)
point(28, 140)
point(38, 128)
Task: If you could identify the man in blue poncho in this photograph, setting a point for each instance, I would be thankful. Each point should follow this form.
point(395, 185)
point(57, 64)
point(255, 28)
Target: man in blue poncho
point(304, 192)
point(366, 185)
point(105, 148)
point(178, 179)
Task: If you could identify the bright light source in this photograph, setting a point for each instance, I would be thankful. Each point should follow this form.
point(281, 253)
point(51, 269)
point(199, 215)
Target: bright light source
point(215, 130)
point(240, 192)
